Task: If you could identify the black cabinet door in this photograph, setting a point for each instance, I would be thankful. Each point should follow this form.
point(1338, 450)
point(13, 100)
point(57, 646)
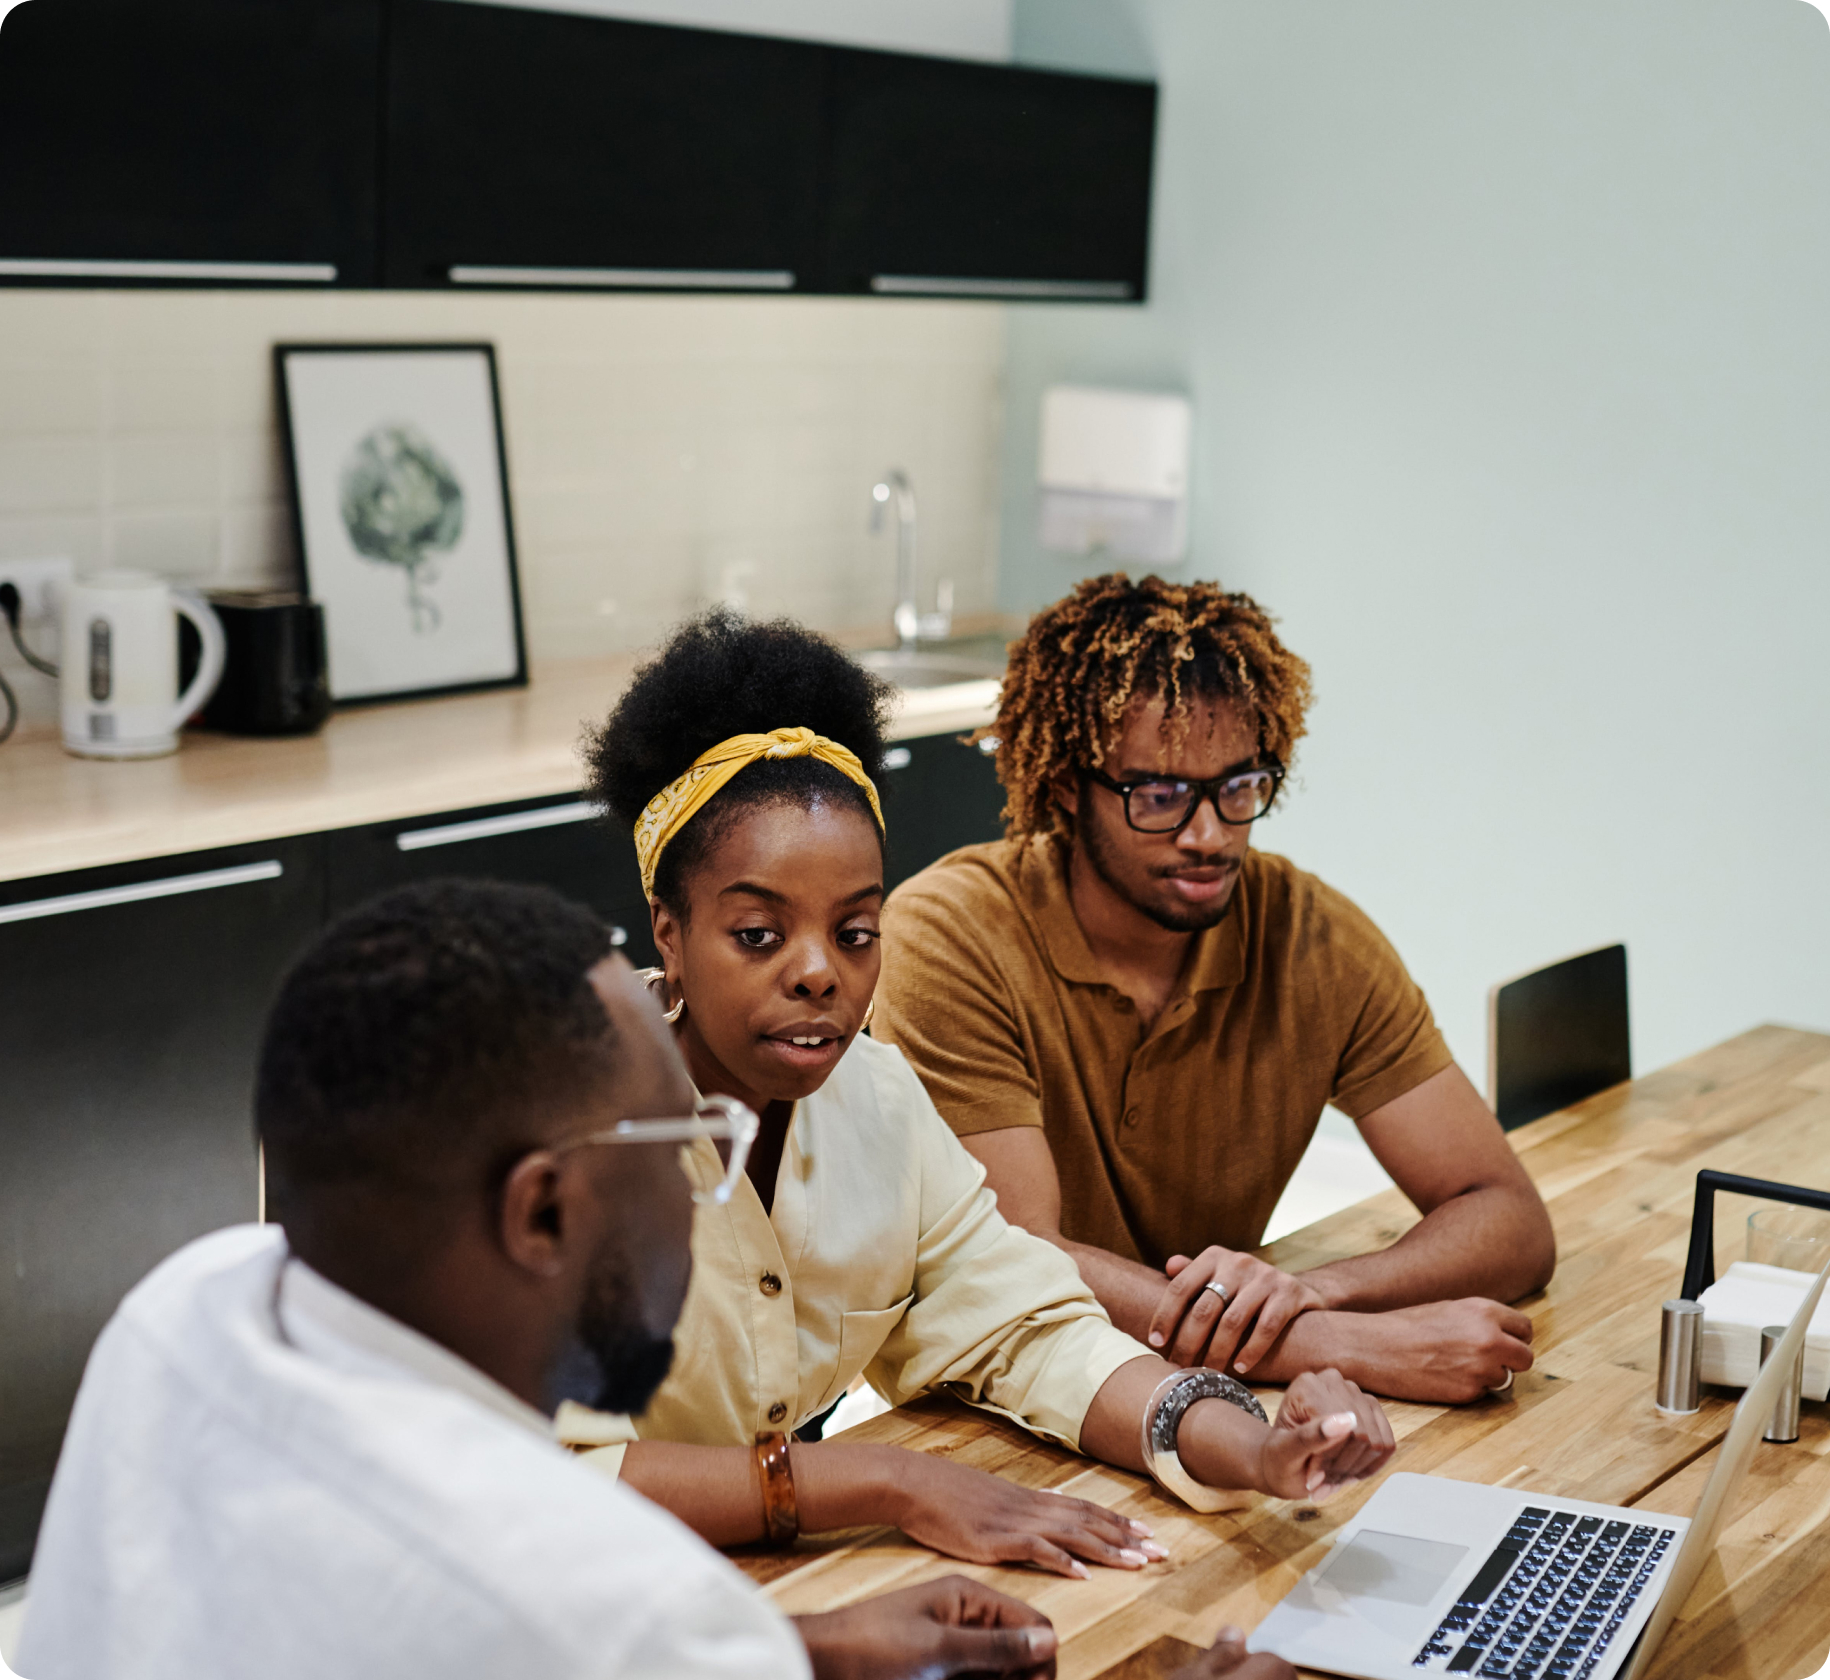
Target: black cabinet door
point(132, 1001)
point(559, 843)
point(541, 148)
point(189, 140)
point(982, 180)
point(938, 795)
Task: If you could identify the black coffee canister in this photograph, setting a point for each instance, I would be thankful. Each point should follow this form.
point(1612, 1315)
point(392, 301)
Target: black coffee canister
point(275, 677)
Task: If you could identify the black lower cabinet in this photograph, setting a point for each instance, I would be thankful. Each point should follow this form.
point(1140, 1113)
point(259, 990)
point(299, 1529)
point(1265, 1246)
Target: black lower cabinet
point(938, 795)
point(131, 1005)
point(559, 843)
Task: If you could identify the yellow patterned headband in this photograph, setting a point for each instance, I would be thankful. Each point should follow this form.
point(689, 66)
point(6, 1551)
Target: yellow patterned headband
point(683, 798)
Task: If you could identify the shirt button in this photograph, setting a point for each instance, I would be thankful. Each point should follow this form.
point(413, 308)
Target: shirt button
point(1132, 1116)
point(771, 1284)
point(777, 1412)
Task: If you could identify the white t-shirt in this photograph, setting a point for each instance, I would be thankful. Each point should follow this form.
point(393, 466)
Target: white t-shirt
point(264, 1475)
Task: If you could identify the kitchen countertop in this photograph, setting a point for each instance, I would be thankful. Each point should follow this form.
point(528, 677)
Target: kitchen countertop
point(371, 764)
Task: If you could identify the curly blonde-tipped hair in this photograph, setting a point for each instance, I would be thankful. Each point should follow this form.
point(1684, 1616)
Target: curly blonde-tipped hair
point(1082, 662)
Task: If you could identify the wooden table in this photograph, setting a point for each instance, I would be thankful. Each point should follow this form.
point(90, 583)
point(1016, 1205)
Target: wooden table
point(1618, 1172)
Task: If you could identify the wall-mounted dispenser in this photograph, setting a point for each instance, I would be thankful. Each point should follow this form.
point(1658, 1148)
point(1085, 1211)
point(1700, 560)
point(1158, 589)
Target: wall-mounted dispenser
point(1114, 473)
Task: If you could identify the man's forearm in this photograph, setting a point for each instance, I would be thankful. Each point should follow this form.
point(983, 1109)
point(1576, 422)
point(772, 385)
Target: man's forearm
point(1495, 1242)
point(1128, 1289)
point(1450, 1354)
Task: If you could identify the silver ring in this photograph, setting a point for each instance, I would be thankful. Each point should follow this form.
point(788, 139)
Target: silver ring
point(1502, 1388)
point(1220, 1289)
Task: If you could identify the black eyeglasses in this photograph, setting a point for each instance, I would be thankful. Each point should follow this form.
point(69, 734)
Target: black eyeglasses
point(1161, 805)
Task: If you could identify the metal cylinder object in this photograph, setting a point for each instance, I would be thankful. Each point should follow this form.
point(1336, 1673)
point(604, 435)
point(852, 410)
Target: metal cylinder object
point(1783, 1425)
point(1680, 1357)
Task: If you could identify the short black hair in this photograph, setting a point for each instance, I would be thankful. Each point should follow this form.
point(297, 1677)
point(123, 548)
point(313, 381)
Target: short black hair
point(424, 1033)
point(722, 675)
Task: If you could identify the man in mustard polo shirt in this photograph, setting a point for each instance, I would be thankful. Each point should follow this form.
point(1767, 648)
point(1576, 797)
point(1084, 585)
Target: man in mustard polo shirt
point(1134, 1020)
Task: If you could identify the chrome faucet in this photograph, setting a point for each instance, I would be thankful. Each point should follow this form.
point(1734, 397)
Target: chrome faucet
point(912, 624)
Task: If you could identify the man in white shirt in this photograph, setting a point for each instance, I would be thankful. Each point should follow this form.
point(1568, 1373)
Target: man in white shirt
point(322, 1447)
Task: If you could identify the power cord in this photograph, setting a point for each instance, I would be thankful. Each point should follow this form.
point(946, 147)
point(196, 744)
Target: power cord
point(9, 606)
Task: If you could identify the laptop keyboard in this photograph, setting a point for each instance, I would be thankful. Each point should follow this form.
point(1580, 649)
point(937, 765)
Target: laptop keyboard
point(1550, 1600)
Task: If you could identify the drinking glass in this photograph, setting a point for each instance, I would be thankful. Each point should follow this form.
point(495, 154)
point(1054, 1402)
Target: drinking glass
point(1793, 1237)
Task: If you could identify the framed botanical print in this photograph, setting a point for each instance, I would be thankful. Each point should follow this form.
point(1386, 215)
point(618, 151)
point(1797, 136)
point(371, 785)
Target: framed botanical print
point(400, 504)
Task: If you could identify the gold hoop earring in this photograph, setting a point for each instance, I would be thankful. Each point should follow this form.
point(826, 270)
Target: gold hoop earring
point(869, 1010)
point(653, 977)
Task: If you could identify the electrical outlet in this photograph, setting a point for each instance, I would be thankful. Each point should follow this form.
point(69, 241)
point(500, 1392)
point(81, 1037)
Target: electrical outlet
point(41, 585)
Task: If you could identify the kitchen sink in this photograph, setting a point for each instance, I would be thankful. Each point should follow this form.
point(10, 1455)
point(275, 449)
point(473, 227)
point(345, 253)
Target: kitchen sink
point(931, 668)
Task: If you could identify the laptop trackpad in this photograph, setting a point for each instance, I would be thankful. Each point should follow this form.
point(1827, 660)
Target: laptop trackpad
point(1399, 1568)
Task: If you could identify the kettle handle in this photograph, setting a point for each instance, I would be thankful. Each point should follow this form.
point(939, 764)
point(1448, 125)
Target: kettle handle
point(209, 665)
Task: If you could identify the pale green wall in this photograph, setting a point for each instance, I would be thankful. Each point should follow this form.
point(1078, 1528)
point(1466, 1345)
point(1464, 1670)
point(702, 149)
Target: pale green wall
point(1508, 333)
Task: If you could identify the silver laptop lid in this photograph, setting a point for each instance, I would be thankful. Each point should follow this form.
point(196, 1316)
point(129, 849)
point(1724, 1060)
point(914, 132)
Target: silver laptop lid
point(1738, 1445)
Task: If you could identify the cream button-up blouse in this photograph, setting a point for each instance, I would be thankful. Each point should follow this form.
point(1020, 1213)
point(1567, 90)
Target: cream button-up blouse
point(885, 1254)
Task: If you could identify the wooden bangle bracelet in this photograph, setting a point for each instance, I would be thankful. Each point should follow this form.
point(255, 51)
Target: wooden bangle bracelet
point(781, 1515)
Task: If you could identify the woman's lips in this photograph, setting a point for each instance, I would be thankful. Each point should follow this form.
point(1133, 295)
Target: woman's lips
point(810, 1053)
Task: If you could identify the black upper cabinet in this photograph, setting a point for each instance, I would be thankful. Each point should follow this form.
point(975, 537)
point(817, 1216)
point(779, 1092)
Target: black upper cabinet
point(977, 179)
point(543, 148)
point(426, 143)
point(189, 140)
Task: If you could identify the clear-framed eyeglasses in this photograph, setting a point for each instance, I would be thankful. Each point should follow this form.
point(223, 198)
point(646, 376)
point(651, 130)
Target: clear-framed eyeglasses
point(720, 1121)
point(1167, 805)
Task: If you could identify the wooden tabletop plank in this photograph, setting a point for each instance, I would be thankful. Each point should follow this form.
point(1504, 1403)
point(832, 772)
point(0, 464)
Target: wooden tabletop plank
point(1618, 1173)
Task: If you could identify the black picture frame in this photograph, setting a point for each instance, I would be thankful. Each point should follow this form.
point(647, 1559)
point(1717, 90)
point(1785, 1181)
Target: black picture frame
point(304, 469)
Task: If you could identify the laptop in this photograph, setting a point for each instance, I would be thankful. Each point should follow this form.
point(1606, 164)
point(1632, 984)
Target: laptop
point(1435, 1576)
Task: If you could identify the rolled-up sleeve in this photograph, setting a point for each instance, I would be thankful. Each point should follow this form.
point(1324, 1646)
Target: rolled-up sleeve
point(598, 1438)
point(999, 1316)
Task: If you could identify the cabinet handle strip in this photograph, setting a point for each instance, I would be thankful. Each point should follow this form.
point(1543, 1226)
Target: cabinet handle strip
point(88, 268)
point(487, 828)
point(104, 897)
point(946, 285)
point(682, 279)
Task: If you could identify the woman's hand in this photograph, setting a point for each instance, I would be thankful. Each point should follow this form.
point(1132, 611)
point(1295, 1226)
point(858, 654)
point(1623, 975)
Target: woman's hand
point(1327, 1434)
point(981, 1518)
point(949, 1626)
point(1193, 1327)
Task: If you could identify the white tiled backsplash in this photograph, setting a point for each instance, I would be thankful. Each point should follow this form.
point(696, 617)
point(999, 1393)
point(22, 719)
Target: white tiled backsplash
point(663, 451)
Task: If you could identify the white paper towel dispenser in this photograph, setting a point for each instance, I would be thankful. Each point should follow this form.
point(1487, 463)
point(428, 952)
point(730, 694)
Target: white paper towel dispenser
point(1114, 473)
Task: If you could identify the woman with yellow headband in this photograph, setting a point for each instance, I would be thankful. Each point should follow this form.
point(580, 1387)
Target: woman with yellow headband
point(861, 1239)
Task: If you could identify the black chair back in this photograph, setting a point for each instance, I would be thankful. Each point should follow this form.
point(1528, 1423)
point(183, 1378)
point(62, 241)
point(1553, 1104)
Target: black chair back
point(1557, 1035)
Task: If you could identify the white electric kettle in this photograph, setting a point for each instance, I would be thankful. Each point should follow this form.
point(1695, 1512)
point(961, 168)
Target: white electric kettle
point(119, 672)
